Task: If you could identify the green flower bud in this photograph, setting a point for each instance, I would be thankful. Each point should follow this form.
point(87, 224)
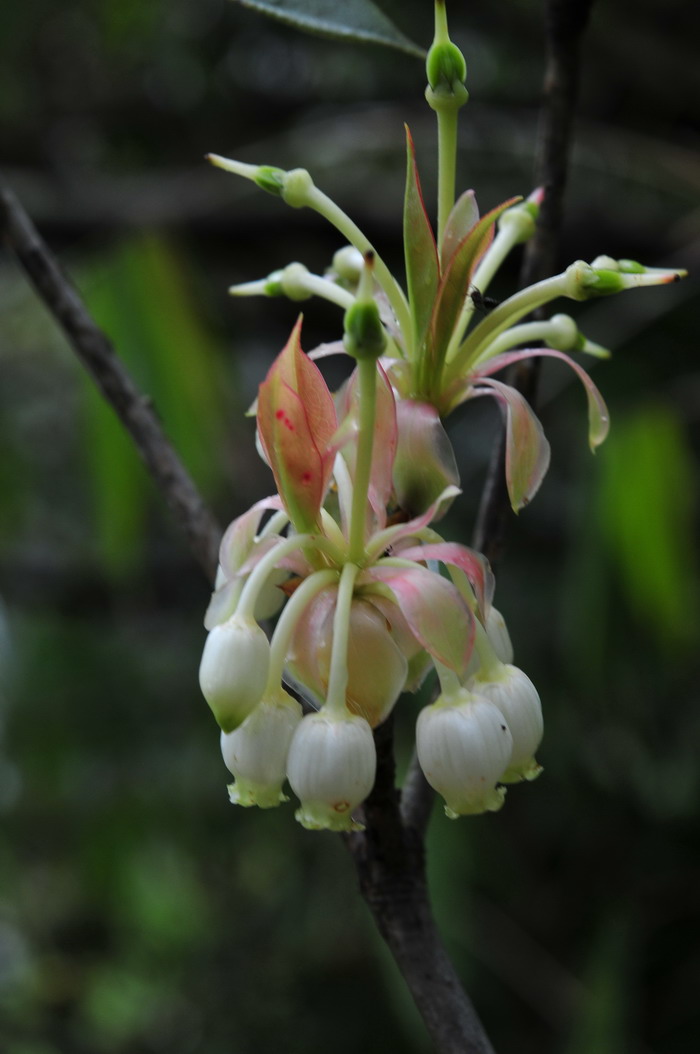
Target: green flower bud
point(297, 188)
point(347, 264)
point(293, 282)
point(364, 333)
point(271, 179)
point(520, 220)
point(445, 67)
point(631, 267)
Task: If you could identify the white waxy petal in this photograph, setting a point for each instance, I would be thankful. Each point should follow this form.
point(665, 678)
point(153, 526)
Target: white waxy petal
point(331, 767)
point(256, 753)
point(517, 699)
point(233, 670)
point(499, 637)
point(464, 746)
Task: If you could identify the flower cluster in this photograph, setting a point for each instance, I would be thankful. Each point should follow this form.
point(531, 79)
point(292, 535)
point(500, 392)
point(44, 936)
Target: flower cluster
point(370, 596)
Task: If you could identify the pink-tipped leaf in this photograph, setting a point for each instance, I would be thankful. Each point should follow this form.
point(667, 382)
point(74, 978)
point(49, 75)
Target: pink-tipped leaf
point(422, 267)
point(435, 612)
point(527, 449)
point(296, 420)
point(598, 415)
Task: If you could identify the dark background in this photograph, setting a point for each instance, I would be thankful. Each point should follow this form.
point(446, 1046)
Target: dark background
point(139, 912)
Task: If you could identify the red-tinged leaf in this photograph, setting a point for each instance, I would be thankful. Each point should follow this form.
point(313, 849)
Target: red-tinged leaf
point(463, 216)
point(475, 566)
point(422, 267)
point(296, 420)
point(527, 450)
point(425, 461)
point(435, 612)
point(455, 282)
point(295, 460)
point(598, 416)
point(239, 536)
point(392, 535)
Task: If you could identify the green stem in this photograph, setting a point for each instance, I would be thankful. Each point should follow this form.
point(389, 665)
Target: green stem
point(327, 208)
point(490, 664)
point(447, 167)
point(287, 622)
point(501, 245)
point(514, 335)
point(510, 311)
point(449, 681)
point(367, 370)
point(260, 573)
point(338, 678)
point(328, 291)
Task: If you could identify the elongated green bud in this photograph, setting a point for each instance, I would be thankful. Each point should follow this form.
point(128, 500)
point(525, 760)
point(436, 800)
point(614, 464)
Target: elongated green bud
point(364, 333)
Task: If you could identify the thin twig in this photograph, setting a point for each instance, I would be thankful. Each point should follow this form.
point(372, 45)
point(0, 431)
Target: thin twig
point(390, 862)
point(565, 21)
point(98, 356)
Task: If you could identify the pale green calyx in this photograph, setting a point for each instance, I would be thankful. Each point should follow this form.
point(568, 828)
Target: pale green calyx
point(520, 221)
point(445, 67)
point(364, 336)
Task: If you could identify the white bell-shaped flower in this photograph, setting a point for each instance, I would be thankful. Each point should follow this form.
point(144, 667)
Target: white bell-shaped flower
point(331, 767)
point(233, 670)
point(464, 746)
point(516, 697)
point(256, 753)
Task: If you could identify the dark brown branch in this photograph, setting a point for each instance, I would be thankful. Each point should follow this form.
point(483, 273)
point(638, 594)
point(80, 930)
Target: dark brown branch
point(97, 355)
point(389, 857)
point(565, 21)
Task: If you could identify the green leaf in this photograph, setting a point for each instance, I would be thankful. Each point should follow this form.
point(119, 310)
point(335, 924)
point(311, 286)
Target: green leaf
point(647, 517)
point(352, 20)
point(527, 449)
point(456, 280)
point(140, 293)
point(422, 267)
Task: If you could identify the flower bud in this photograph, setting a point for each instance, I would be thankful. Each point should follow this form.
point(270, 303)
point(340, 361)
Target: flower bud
point(517, 699)
point(445, 67)
point(521, 219)
point(233, 671)
point(364, 334)
point(347, 264)
point(297, 188)
point(331, 767)
point(256, 753)
point(464, 745)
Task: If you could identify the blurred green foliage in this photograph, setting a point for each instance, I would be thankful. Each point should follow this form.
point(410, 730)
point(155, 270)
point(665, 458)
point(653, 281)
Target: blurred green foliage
point(139, 912)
